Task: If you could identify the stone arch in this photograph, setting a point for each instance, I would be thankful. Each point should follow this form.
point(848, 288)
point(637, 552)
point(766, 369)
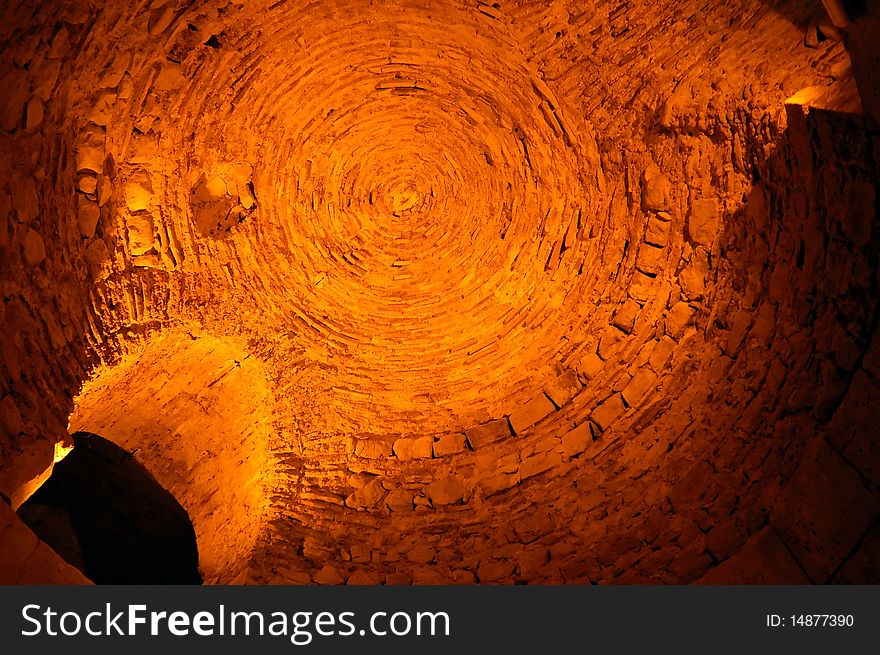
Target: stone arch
point(194, 410)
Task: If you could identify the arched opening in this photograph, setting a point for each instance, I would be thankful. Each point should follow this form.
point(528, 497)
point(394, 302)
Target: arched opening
point(196, 411)
point(104, 513)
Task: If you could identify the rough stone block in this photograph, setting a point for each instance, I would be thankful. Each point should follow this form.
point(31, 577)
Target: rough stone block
point(446, 490)
point(590, 365)
point(608, 412)
point(138, 191)
point(530, 413)
point(563, 388)
point(87, 217)
point(661, 354)
point(417, 448)
point(650, 259)
point(495, 570)
point(372, 448)
point(486, 433)
point(643, 382)
point(678, 318)
point(657, 232)
point(576, 441)
point(539, 463)
point(656, 189)
point(449, 444)
point(328, 575)
point(367, 496)
point(626, 315)
point(34, 250)
point(704, 222)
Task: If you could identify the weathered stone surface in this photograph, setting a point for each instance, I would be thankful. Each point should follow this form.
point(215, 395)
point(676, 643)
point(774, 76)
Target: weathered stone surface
point(657, 232)
point(26, 200)
point(824, 511)
point(626, 315)
point(590, 365)
point(704, 221)
point(446, 490)
point(661, 353)
point(576, 441)
point(563, 388)
point(363, 578)
point(87, 217)
point(495, 570)
point(853, 431)
point(650, 259)
point(678, 318)
point(367, 496)
point(418, 448)
point(763, 559)
point(486, 433)
point(141, 233)
point(138, 191)
point(404, 271)
point(399, 500)
point(328, 575)
point(530, 413)
point(210, 189)
point(863, 566)
point(608, 412)
point(24, 559)
point(656, 189)
point(372, 449)
point(693, 276)
point(90, 149)
point(450, 444)
point(34, 248)
point(539, 463)
point(643, 382)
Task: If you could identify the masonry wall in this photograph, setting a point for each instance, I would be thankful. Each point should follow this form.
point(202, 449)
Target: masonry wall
point(452, 293)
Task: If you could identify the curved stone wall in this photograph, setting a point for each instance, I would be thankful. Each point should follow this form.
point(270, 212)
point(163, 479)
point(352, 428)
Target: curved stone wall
point(513, 292)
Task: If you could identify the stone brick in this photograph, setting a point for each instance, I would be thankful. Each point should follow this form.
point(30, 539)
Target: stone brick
point(576, 441)
point(626, 315)
point(446, 490)
point(657, 232)
point(414, 448)
point(608, 412)
point(450, 444)
point(372, 448)
point(563, 388)
point(643, 382)
point(530, 413)
point(328, 575)
point(704, 223)
point(656, 189)
point(590, 365)
point(650, 259)
point(486, 433)
point(539, 463)
point(367, 496)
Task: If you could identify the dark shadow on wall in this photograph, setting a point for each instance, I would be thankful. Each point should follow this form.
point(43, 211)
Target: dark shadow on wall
point(805, 248)
point(803, 12)
point(106, 515)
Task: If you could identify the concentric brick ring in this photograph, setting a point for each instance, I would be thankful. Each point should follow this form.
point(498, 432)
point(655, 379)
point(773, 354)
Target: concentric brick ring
point(425, 203)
